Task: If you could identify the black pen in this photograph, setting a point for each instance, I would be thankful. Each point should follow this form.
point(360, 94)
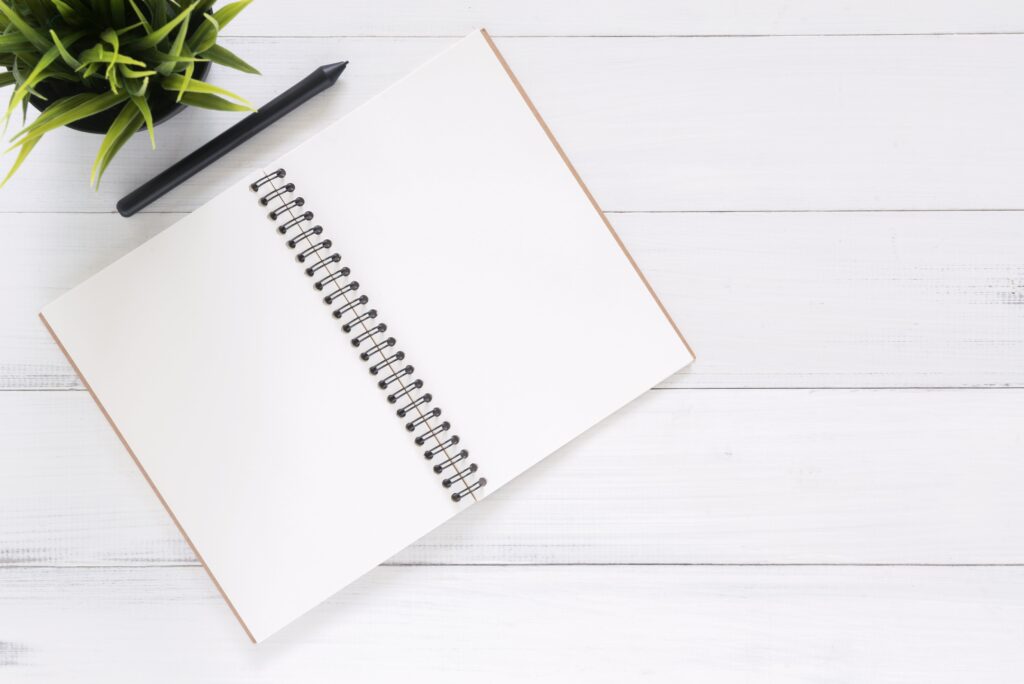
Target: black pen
point(321, 79)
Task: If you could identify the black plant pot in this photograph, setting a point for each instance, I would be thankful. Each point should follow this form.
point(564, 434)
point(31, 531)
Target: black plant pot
point(162, 103)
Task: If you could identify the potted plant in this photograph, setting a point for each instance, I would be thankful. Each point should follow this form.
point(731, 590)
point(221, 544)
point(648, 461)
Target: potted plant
point(111, 66)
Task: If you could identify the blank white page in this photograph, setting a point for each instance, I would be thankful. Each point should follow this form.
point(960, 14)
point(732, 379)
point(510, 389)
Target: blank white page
point(251, 416)
point(470, 233)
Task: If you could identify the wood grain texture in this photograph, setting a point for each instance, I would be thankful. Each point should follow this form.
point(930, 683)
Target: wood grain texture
point(618, 18)
point(799, 476)
point(875, 122)
point(574, 572)
point(593, 624)
point(930, 299)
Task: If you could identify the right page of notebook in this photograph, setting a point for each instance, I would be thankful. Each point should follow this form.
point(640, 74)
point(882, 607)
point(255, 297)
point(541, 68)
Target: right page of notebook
point(470, 234)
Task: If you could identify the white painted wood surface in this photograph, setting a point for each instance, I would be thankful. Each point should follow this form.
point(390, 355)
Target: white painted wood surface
point(822, 299)
point(639, 18)
point(679, 476)
point(658, 124)
point(830, 207)
point(548, 624)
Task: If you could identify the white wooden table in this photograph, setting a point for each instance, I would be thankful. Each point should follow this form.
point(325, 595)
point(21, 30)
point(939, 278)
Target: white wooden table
point(828, 197)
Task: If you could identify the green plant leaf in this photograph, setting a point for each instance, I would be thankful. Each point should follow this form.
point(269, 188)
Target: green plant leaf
point(73, 12)
point(117, 11)
point(55, 109)
point(128, 72)
point(203, 32)
point(154, 38)
point(168, 67)
point(176, 81)
point(206, 101)
point(228, 12)
point(98, 55)
point(154, 55)
point(112, 77)
point(65, 55)
point(179, 40)
point(129, 28)
point(17, 76)
point(186, 79)
point(159, 10)
point(38, 9)
point(135, 85)
point(14, 42)
point(133, 47)
point(33, 77)
point(142, 17)
point(83, 105)
point(22, 155)
point(221, 55)
point(205, 36)
point(101, 8)
point(110, 37)
point(127, 123)
point(7, 121)
point(62, 76)
point(18, 68)
point(32, 35)
point(143, 106)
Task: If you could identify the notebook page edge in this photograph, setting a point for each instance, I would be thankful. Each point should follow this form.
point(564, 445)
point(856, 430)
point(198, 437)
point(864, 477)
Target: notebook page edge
point(586, 191)
point(145, 475)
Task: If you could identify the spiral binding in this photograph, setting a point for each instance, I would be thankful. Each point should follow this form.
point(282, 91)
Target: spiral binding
point(387, 363)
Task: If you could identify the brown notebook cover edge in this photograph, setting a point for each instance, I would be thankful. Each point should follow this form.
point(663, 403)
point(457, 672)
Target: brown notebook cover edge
point(145, 475)
point(586, 191)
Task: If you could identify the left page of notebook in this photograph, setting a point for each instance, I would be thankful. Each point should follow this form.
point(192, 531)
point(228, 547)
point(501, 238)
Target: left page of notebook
point(245, 407)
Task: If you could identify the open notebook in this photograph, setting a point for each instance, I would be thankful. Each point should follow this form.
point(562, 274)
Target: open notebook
point(366, 336)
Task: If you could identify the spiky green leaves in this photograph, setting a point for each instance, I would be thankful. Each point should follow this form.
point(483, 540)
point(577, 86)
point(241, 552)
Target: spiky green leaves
point(184, 85)
point(206, 35)
point(120, 52)
point(23, 27)
point(127, 123)
point(219, 54)
point(155, 36)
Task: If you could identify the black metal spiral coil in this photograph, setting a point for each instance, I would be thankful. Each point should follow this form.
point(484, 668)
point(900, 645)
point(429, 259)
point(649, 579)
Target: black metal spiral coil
point(386, 362)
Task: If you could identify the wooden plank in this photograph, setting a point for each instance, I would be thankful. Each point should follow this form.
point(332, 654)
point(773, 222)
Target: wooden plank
point(875, 122)
point(511, 624)
point(618, 17)
point(702, 476)
point(840, 299)
point(902, 299)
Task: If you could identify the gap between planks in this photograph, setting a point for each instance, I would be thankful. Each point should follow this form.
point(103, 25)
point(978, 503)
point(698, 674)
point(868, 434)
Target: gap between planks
point(389, 564)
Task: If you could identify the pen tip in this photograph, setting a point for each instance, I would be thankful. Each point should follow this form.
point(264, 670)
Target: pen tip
point(333, 71)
